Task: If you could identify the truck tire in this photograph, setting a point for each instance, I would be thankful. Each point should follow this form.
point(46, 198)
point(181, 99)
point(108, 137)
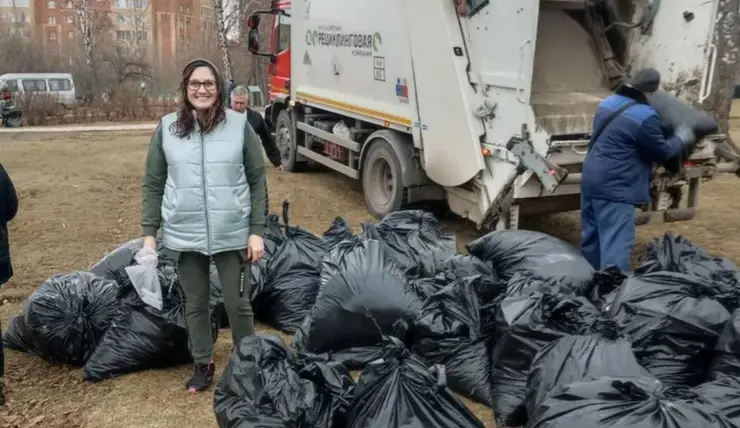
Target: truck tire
point(286, 143)
point(382, 179)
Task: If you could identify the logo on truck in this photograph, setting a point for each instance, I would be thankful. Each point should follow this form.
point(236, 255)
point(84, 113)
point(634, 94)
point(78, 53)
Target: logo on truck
point(362, 44)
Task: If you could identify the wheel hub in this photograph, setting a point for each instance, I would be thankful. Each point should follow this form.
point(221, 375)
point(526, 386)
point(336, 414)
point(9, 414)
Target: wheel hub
point(382, 181)
point(282, 140)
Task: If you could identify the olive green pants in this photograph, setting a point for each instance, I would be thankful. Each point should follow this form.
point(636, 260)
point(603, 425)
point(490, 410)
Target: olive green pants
point(193, 269)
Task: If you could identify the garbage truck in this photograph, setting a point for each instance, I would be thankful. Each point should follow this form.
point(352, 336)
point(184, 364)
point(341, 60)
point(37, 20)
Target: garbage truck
point(485, 104)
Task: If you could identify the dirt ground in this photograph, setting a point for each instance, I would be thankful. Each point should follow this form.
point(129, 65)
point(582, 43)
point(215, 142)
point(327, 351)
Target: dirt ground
point(80, 198)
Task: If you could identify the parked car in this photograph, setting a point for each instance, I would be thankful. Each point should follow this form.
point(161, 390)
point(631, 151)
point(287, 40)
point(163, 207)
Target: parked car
point(59, 86)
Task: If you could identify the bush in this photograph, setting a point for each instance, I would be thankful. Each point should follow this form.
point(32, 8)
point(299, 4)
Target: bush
point(122, 105)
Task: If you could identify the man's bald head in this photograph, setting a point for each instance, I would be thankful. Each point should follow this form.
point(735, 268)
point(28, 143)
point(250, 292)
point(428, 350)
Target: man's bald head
point(239, 98)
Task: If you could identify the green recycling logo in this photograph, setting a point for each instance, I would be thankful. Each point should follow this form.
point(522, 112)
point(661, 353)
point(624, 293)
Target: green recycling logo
point(377, 41)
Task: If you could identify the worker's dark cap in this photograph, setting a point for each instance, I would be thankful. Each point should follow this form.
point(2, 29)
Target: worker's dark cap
point(646, 80)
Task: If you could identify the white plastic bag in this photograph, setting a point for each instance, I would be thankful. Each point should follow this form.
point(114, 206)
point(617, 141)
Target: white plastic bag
point(145, 278)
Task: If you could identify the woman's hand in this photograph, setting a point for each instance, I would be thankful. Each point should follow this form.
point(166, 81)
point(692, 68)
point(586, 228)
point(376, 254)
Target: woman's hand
point(255, 249)
point(151, 242)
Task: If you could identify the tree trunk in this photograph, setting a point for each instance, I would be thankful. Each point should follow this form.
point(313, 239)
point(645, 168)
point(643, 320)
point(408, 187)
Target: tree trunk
point(726, 40)
point(84, 26)
point(218, 12)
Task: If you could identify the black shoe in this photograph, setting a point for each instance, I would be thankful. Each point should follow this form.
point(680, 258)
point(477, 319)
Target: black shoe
point(202, 377)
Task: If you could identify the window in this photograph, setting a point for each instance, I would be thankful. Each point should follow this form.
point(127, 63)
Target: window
point(51, 5)
point(124, 35)
point(35, 85)
point(283, 37)
point(187, 10)
point(143, 36)
point(12, 85)
point(70, 19)
point(68, 4)
point(71, 35)
point(52, 20)
point(121, 19)
point(53, 35)
point(60, 85)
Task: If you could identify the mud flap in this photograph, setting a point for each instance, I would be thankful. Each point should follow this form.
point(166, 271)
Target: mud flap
point(549, 174)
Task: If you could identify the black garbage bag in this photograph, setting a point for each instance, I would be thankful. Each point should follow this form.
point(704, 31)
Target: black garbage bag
point(605, 287)
point(625, 402)
point(340, 230)
point(273, 236)
point(448, 332)
point(578, 358)
point(65, 318)
point(526, 283)
point(141, 337)
point(399, 390)
point(673, 113)
point(724, 395)
point(676, 254)
point(291, 281)
point(17, 336)
point(415, 240)
point(356, 306)
point(673, 321)
point(461, 266)
point(265, 386)
point(525, 325)
point(726, 358)
point(512, 251)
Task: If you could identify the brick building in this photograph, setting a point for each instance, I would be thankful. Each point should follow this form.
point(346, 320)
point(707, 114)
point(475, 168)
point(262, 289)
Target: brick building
point(160, 27)
point(17, 16)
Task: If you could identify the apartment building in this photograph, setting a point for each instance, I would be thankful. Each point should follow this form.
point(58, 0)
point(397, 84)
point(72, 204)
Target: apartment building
point(159, 27)
point(17, 16)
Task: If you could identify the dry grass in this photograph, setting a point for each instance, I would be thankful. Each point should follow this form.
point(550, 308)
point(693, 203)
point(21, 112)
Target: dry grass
point(80, 197)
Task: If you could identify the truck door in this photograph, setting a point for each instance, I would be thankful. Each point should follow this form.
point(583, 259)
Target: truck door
point(279, 72)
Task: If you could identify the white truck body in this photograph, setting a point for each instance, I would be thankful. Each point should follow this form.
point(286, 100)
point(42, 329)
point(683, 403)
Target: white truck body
point(459, 89)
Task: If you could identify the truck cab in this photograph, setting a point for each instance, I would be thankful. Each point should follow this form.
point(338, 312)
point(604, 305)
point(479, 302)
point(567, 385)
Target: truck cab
point(485, 104)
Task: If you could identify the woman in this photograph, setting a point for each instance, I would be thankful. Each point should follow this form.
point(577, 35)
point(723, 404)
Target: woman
point(205, 186)
point(8, 210)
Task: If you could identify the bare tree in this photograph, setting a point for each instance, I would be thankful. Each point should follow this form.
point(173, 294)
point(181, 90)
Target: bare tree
point(221, 29)
point(84, 24)
point(127, 65)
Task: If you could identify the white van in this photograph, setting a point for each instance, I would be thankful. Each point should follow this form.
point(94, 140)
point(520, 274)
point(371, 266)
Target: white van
point(60, 86)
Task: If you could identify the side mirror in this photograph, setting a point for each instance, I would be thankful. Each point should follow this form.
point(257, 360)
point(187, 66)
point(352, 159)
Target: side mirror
point(253, 41)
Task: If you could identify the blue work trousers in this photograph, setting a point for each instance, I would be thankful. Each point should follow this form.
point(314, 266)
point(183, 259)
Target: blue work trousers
point(607, 233)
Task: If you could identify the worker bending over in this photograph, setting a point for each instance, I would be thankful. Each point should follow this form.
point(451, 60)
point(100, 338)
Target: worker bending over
point(625, 142)
point(239, 103)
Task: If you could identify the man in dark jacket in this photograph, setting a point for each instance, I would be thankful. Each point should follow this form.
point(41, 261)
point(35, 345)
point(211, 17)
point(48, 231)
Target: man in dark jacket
point(239, 103)
point(8, 210)
point(626, 141)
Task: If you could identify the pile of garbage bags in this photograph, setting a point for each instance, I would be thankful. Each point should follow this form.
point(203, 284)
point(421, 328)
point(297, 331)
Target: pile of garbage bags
point(522, 324)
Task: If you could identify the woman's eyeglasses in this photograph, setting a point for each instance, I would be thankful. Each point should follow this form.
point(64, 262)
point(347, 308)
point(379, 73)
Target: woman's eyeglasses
point(208, 85)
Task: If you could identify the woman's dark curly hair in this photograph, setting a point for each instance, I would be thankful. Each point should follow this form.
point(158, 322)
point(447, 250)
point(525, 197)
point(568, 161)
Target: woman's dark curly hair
point(208, 121)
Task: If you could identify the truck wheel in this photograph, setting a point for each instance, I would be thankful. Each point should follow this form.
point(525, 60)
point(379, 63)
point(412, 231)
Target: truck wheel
point(382, 181)
point(286, 143)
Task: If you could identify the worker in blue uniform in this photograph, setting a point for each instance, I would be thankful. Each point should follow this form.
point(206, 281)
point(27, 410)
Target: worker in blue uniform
point(626, 141)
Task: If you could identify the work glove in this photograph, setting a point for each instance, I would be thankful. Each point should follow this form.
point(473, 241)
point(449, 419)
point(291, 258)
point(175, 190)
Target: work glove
point(686, 134)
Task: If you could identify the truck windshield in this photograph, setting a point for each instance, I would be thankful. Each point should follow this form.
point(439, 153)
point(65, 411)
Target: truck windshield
point(283, 34)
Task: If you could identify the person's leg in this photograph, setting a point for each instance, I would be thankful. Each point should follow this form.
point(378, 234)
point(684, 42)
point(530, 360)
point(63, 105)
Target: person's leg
point(616, 223)
point(589, 233)
point(196, 285)
point(238, 306)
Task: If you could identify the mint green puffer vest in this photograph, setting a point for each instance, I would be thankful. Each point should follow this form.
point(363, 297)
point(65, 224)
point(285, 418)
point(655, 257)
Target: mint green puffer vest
point(206, 204)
